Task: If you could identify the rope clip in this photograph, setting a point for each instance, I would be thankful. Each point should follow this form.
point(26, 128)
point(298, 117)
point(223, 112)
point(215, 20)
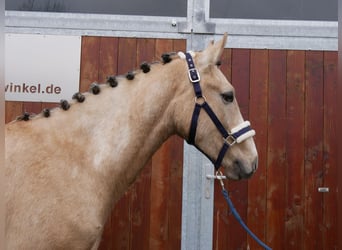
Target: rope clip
point(219, 176)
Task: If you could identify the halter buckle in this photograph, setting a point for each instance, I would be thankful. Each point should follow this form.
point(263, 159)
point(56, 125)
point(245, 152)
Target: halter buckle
point(230, 140)
point(194, 75)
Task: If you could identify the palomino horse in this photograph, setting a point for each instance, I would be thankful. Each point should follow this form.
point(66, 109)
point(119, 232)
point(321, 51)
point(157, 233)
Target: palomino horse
point(66, 167)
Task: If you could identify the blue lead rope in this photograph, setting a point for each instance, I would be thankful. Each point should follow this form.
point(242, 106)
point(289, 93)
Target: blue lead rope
point(238, 218)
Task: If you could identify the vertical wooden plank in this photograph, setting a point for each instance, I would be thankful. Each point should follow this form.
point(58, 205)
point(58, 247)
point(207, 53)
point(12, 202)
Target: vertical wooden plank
point(241, 78)
point(127, 54)
point(237, 237)
point(140, 199)
point(179, 45)
point(121, 217)
point(89, 62)
point(160, 179)
point(276, 150)
point(313, 150)
point(49, 105)
point(163, 46)
point(339, 141)
point(140, 210)
point(226, 64)
point(295, 98)
point(159, 191)
point(174, 199)
point(220, 228)
point(108, 58)
point(32, 107)
point(258, 117)
point(330, 211)
point(145, 51)
point(106, 240)
point(12, 110)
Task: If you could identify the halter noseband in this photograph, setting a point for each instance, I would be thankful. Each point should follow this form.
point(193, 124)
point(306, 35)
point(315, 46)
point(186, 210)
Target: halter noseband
point(236, 135)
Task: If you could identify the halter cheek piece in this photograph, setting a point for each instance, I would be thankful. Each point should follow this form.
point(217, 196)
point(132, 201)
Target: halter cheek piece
point(238, 134)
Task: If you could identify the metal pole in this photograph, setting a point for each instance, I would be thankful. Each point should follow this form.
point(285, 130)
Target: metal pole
point(198, 191)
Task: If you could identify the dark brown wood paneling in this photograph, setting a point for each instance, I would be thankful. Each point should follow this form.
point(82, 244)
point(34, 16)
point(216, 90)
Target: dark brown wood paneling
point(276, 149)
point(313, 217)
point(175, 192)
point(108, 58)
point(32, 107)
point(90, 58)
point(292, 100)
point(330, 152)
point(12, 110)
point(338, 139)
point(239, 190)
point(258, 111)
point(295, 98)
point(237, 238)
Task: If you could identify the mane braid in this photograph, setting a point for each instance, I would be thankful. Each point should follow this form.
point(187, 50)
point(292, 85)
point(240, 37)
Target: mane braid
point(145, 67)
point(64, 104)
point(166, 58)
point(46, 112)
point(95, 88)
point(79, 97)
point(111, 80)
point(24, 117)
point(130, 75)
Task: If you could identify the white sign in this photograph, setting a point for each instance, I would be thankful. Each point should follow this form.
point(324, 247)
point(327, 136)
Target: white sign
point(41, 68)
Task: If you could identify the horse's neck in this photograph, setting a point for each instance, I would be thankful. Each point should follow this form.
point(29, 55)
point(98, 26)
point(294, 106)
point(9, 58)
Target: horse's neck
point(122, 127)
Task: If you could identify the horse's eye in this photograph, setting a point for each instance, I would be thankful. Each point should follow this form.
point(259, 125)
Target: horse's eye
point(228, 97)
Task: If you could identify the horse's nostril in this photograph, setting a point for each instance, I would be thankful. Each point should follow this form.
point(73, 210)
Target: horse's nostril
point(238, 165)
point(255, 164)
point(242, 169)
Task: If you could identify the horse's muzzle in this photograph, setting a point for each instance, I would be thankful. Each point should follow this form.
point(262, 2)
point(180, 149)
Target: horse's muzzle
point(242, 171)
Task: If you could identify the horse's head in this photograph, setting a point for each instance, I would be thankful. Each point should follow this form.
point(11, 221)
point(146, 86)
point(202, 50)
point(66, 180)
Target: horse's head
point(227, 142)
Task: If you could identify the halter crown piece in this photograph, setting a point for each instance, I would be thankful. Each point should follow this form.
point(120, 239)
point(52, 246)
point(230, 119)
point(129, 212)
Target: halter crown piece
point(237, 135)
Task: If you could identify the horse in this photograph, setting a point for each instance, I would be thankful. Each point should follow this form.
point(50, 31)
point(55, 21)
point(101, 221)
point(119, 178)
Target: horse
point(67, 166)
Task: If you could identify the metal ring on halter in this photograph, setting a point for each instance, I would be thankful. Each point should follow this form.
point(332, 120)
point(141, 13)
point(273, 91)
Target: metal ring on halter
point(200, 100)
point(230, 140)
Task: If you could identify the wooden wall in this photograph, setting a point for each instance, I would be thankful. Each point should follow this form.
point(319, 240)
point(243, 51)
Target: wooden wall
point(290, 99)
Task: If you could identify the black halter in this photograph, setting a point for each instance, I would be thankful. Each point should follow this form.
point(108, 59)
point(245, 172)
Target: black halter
point(238, 134)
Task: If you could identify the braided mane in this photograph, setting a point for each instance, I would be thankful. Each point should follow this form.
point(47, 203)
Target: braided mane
point(95, 88)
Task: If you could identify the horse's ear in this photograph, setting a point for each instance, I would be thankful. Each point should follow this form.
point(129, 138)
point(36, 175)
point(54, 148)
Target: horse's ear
point(212, 54)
